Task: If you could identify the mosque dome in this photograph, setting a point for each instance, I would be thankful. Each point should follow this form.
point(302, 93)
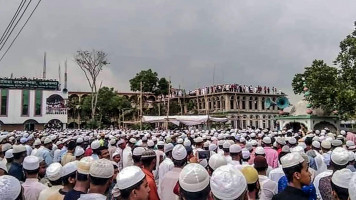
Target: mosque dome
point(301, 108)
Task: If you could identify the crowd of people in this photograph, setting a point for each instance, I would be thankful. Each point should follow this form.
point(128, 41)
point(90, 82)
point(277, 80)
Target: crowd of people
point(191, 164)
point(234, 88)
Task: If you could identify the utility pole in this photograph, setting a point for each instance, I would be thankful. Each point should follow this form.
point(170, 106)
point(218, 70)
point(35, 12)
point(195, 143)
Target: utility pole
point(169, 94)
point(180, 103)
point(44, 66)
point(141, 113)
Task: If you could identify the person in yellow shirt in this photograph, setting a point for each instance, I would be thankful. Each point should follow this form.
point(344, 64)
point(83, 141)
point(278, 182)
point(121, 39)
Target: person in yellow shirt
point(69, 157)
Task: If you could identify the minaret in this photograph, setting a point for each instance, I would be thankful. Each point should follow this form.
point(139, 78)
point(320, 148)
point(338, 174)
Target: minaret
point(44, 66)
point(65, 77)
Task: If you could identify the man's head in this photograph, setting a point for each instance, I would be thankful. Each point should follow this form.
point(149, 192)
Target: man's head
point(194, 182)
point(148, 159)
point(48, 143)
point(68, 174)
point(179, 155)
point(53, 173)
point(296, 169)
point(339, 158)
point(340, 182)
point(31, 165)
point(19, 152)
point(71, 145)
point(132, 183)
point(104, 152)
point(260, 164)
point(100, 174)
point(42, 169)
point(83, 168)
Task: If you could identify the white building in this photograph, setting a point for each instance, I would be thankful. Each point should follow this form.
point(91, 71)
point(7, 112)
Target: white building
point(32, 104)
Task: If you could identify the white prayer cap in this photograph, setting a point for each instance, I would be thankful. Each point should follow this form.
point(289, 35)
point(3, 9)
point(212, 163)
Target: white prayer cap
point(9, 153)
point(350, 143)
point(69, 168)
point(19, 148)
point(340, 156)
point(121, 141)
point(129, 176)
point(102, 168)
point(235, 148)
point(336, 143)
point(286, 149)
point(80, 140)
point(351, 156)
point(53, 171)
point(198, 140)
point(10, 187)
point(216, 161)
point(187, 143)
point(254, 142)
point(112, 141)
point(84, 164)
point(150, 143)
point(31, 163)
point(245, 153)
point(342, 178)
point(193, 178)
point(226, 145)
point(291, 159)
point(227, 183)
point(3, 166)
point(160, 143)
point(248, 146)
point(292, 140)
point(212, 147)
point(180, 141)
point(260, 151)
point(267, 140)
point(179, 152)
point(316, 144)
point(352, 187)
point(95, 144)
point(281, 141)
point(168, 147)
point(206, 144)
point(298, 149)
point(343, 132)
point(138, 151)
point(132, 140)
point(23, 140)
point(78, 151)
point(47, 140)
point(326, 144)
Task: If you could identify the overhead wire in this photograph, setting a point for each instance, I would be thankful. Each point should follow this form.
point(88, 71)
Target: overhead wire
point(19, 8)
point(8, 36)
point(20, 30)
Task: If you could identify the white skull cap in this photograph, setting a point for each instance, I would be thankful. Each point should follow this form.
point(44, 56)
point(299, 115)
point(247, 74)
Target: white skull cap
point(245, 153)
point(10, 187)
point(216, 161)
point(78, 151)
point(80, 140)
point(53, 171)
point(340, 156)
point(150, 143)
point(3, 166)
point(31, 163)
point(47, 140)
point(95, 144)
point(226, 145)
point(84, 164)
point(19, 148)
point(267, 140)
point(9, 153)
point(193, 178)
point(69, 168)
point(291, 159)
point(260, 151)
point(350, 143)
point(212, 147)
point(235, 148)
point(227, 183)
point(128, 177)
point(179, 152)
point(342, 178)
point(138, 151)
point(102, 168)
point(187, 143)
point(5, 147)
point(316, 144)
point(168, 147)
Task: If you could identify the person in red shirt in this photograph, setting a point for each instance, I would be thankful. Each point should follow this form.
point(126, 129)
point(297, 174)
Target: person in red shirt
point(148, 159)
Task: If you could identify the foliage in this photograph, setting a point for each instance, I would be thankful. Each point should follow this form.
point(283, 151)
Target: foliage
point(332, 88)
point(150, 82)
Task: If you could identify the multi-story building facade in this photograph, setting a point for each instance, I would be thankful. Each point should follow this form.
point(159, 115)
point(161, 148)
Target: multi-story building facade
point(29, 104)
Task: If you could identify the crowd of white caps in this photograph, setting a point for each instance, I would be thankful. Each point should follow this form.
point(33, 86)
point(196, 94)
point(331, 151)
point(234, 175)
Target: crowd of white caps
point(177, 164)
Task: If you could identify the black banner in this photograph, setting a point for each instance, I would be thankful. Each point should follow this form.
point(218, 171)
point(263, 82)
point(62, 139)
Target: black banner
point(29, 84)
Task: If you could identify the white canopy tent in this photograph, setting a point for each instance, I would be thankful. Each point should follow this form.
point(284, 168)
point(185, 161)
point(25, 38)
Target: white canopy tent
point(189, 120)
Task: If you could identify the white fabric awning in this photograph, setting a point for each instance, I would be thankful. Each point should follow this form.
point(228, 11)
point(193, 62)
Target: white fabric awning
point(189, 120)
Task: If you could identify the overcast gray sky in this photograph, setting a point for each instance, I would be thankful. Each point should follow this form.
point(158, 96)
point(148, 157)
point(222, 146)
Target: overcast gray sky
point(249, 42)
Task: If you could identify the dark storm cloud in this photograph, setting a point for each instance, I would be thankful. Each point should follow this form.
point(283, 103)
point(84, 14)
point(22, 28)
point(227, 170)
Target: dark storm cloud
point(248, 42)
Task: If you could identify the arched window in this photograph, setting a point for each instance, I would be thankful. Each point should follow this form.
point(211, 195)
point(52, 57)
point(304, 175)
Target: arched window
point(250, 103)
point(263, 103)
point(243, 103)
point(256, 103)
point(232, 105)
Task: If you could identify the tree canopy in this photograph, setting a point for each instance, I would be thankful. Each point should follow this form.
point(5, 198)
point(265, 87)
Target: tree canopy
point(150, 82)
point(332, 88)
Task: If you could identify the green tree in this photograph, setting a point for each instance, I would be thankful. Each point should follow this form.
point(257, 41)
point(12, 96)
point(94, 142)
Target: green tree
point(162, 87)
point(149, 81)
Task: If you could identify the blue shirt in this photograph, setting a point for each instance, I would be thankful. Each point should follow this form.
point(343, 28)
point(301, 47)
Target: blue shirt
point(309, 190)
point(16, 170)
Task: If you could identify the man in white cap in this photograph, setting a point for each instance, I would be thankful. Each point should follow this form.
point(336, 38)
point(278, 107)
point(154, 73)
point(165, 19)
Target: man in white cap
point(170, 179)
point(340, 182)
point(32, 187)
point(148, 159)
point(216, 161)
point(69, 156)
point(132, 184)
point(296, 171)
point(167, 164)
point(121, 144)
point(136, 156)
point(46, 153)
point(100, 176)
point(68, 174)
point(82, 179)
point(228, 183)
point(127, 154)
point(10, 188)
point(95, 146)
point(339, 160)
point(271, 154)
point(53, 173)
point(194, 182)
point(16, 169)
